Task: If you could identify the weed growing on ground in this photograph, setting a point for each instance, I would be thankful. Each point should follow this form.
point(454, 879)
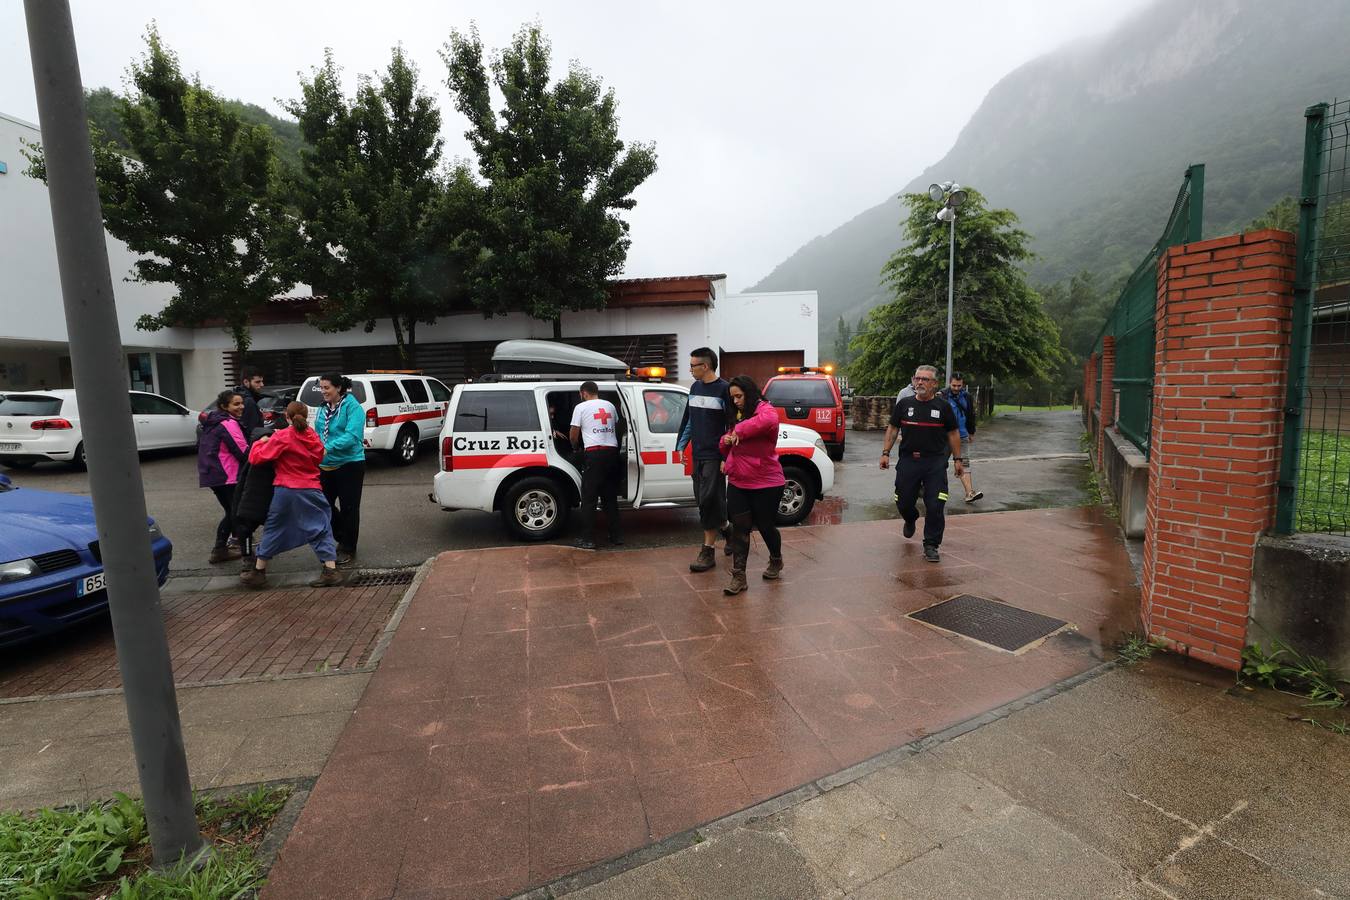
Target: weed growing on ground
point(103, 849)
point(1135, 647)
point(1283, 668)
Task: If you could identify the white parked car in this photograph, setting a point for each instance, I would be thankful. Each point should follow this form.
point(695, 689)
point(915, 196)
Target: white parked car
point(45, 425)
point(402, 410)
point(502, 450)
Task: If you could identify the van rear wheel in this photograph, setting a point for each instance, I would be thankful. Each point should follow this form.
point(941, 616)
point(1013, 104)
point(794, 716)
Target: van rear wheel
point(799, 496)
point(405, 447)
point(535, 509)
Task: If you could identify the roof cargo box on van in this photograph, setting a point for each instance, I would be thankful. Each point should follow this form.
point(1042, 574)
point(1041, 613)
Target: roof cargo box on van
point(541, 357)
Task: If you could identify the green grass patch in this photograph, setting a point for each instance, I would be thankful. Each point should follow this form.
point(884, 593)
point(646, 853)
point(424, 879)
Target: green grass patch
point(1000, 408)
point(104, 850)
point(1324, 482)
point(1134, 648)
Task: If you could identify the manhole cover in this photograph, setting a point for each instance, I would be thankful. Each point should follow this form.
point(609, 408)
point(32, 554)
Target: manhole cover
point(381, 579)
point(989, 622)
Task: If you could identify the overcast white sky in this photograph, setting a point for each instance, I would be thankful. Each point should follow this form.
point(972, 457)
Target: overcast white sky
point(773, 122)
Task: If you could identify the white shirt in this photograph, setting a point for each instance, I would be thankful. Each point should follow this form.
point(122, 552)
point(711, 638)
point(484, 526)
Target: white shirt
point(597, 420)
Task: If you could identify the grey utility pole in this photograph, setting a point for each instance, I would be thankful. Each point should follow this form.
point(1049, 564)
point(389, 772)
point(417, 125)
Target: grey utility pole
point(105, 414)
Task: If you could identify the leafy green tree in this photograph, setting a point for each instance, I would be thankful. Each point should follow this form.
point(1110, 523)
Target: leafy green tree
point(843, 337)
point(365, 195)
point(1283, 215)
point(200, 200)
point(556, 175)
point(1000, 329)
point(1079, 306)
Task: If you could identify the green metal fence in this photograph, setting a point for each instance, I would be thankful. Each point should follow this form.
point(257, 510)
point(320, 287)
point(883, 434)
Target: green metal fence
point(1315, 467)
point(1131, 320)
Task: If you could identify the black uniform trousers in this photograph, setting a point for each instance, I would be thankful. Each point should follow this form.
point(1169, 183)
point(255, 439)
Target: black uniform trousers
point(600, 479)
point(929, 475)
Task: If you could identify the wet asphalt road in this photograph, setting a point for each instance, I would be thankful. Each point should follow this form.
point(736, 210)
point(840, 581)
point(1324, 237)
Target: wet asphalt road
point(1022, 460)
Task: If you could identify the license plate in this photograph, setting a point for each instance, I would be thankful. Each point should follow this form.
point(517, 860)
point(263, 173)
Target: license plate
point(90, 585)
point(9, 446)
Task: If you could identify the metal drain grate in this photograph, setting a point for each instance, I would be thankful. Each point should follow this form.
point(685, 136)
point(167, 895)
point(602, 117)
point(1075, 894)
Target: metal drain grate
point(381, 579)
point(989, 622)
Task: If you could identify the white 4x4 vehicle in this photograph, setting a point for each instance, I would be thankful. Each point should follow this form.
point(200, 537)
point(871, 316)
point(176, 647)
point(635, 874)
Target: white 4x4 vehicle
point(402, 410)
point(503, 447)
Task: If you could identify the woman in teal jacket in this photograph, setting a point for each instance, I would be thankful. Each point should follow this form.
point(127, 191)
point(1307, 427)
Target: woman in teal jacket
point(341, 425)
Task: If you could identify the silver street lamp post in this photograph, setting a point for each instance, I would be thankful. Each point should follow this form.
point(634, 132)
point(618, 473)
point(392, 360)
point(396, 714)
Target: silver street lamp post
point(950, 195)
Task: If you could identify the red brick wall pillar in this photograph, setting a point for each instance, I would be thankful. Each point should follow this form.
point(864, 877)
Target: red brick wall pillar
point(1108, 392)
point(1090, 394)
point(1220, 366)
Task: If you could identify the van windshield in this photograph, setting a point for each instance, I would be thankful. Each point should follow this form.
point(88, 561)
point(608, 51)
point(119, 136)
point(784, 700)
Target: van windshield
point(310, 395)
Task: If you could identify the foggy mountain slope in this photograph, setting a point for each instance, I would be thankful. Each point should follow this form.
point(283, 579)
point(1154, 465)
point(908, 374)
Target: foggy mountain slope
point(1088, 144)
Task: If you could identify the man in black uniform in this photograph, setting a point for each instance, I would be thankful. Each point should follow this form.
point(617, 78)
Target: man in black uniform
point(928, 433)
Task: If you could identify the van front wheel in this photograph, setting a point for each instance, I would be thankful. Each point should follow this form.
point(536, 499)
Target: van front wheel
point(405, 447)
point(535, 509)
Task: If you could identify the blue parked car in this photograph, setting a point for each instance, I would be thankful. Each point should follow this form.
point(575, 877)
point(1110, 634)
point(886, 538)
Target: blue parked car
point(51, 571)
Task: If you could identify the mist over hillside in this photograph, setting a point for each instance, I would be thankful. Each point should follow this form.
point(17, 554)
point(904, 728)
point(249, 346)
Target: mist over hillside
point(1088, 144)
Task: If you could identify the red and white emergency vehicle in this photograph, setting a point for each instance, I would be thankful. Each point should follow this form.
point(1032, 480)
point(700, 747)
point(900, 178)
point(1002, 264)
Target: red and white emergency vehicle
point(504, 445)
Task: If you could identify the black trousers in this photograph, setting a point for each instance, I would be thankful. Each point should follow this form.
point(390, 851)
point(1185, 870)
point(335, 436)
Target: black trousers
point(757, 508)
point(342, 486)
point(600, 479)
point(224, 496)
point(929, 475)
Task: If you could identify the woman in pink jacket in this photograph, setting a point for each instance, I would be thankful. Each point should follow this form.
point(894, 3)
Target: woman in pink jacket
point(220, 451)
point(754, 479)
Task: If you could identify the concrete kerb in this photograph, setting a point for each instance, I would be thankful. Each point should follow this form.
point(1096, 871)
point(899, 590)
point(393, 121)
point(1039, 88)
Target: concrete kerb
point(809, 791)
point(380, 647)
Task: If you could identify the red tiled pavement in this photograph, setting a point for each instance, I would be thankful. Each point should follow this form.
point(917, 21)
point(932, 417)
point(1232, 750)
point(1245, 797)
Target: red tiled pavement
point(542, 709)
point(217, 636)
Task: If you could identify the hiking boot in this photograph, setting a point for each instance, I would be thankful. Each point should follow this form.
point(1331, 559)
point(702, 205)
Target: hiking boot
point(705, 561)
point(585, 544)
point(908, 530)
point(327, 578)
point(775, 568)
point(616, 540)
point(224, 553)
point(737, 585)
point(930, 553)
point(345, 558)
point(253, 578)
point(247, 563)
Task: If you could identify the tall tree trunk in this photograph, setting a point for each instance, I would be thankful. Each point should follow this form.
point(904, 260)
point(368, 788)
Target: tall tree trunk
point(412, 343)
point(557, 328)
point(242, 339)
point(398, 338)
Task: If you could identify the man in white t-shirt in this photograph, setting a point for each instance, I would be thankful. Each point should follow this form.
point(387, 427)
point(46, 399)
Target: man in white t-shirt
point(595, 429)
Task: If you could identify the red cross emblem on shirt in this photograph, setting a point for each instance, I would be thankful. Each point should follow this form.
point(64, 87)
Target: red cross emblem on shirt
point(602, 416)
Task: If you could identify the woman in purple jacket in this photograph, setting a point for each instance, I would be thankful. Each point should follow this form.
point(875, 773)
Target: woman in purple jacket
point(221, 450)
point(754, 479)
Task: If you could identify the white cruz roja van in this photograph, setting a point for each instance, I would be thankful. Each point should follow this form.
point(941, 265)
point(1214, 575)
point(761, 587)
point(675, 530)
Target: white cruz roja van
point(504, 445)
point(403, 408)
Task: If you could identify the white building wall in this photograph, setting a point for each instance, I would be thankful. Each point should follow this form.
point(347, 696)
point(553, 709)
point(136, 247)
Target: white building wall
point(780, 320)
point(30, 285)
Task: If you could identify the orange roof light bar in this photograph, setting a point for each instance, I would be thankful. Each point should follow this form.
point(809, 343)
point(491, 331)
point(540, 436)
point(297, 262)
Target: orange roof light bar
point(827, 369)
point(650, 372)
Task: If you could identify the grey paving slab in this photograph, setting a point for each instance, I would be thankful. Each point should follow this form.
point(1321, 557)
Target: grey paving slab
point(68, 767)
point(42, 720)
point(1214, 869)
point(284, 747)
point(938, 800)
point(1303, 826)
point(849, 837)
point(1017, 853)
point(1099, 813)
point(655, 882)
point(748, 865)
point(253, 700)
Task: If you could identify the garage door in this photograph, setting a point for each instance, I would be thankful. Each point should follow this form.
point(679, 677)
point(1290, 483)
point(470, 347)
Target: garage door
point(760, 365)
